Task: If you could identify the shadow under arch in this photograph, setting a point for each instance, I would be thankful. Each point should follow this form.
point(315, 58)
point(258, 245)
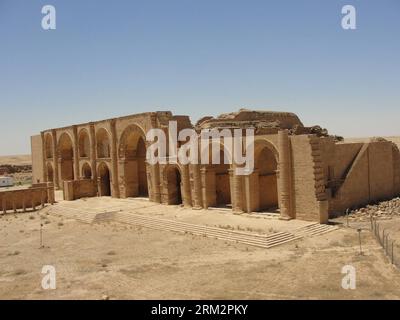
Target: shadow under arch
point(217, 176)
point(266, 159)
point(48, 142)
point(66, 155)
point(132, 151)
point(103, 173)
point(103, 146)
point(173, 180)
point(83, 143)
point(86, 171)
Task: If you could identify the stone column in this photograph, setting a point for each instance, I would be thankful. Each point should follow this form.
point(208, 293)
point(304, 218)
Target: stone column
point(196, 181)
point(61, 181)
point(204, 189)
point(237, 191)
point(150, 188)
point(44, 167)
point(55, 160)
point(114, 160)
point(92, 138)
point(155, 183)
point(76, 153)
point(122, 178)
point(187, 197)
point(285, 175)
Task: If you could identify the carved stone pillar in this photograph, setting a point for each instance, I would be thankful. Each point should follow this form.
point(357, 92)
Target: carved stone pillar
point(92, 138)
point(187, 197)
point(204, 189)
point(60, 180)
point(285, 175)
point(237, 182)
point(155, 183)
point(55, 160)
point(76, 153)
point(44, 167)
point(123, 192)
point(114, 160)
point(196, 183)
point(150, 188)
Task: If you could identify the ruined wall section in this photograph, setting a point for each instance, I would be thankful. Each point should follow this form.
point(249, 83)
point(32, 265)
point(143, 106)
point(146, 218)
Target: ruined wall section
point(78, 189)
point(396, 169)
point(372, 176)
point(310, 200)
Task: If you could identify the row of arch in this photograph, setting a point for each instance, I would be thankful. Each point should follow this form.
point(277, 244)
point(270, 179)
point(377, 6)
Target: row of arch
point(219, 183)
point(132, 149)
point(103, 174)
point(65, 145)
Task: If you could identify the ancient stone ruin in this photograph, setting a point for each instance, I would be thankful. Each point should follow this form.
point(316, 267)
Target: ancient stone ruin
point(299, 172)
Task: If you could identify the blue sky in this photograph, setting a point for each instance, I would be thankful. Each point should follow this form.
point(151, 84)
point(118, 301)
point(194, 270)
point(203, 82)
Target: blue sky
point(199, 57)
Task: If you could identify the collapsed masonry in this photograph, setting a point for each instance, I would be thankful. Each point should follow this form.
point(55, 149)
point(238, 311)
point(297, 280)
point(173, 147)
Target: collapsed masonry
point(300, 172)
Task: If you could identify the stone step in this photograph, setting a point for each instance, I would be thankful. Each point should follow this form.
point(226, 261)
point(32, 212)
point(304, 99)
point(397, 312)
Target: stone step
point(253, 239)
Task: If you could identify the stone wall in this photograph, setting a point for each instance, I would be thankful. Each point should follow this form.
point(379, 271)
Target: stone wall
point(308, 198)
point(28, 198)
point(77, 189)
point(370, 174)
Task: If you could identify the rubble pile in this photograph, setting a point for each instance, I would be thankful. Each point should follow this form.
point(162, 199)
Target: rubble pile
point(384, 208)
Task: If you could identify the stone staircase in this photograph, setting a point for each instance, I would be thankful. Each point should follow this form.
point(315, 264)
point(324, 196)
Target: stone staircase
point(247, 238)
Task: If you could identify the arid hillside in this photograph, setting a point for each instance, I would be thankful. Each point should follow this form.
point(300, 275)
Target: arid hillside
point(17, 160)
point(17, 166)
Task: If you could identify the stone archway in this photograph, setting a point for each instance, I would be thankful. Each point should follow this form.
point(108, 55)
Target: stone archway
point(174, 185)
point(86, 171)
point(104, 180)
point(222, 182)
point(266, 182)
point(216, 176)
point(132, 153)
point(66, 156)
point(103, 146)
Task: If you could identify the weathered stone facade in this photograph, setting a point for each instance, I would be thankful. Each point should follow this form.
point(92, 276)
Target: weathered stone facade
point(302, 172)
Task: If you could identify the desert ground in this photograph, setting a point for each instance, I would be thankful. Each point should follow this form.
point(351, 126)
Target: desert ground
point(112, 260)
point(107, 259)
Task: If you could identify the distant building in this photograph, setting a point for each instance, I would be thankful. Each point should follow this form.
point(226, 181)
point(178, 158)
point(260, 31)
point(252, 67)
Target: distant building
point(6, 181)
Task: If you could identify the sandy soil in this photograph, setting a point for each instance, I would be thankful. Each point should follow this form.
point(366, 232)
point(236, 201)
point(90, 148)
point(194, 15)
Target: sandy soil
point(128, 262)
